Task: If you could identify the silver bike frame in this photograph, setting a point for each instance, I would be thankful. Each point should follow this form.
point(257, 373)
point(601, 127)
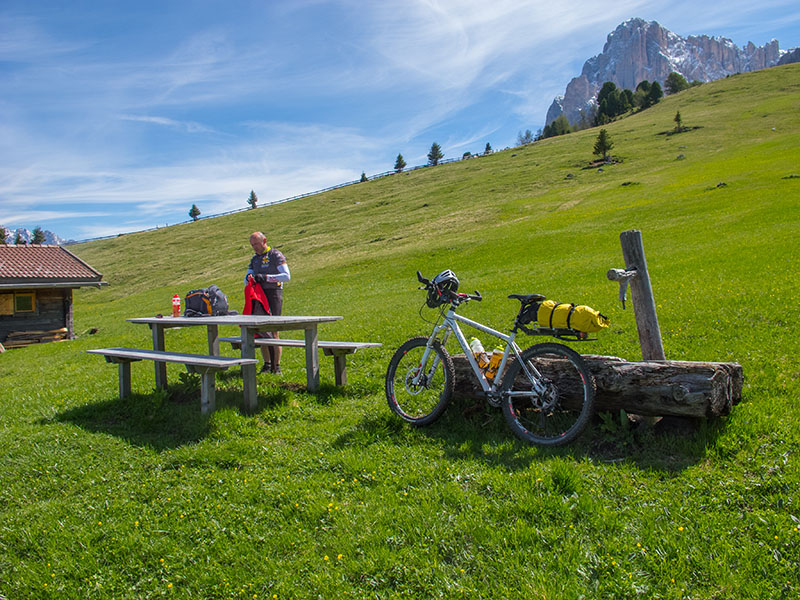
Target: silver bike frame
point(450, 323)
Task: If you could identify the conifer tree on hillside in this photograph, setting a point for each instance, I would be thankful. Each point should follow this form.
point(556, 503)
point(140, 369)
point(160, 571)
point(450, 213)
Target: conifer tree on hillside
point(678, 122)
point(38, 236)
point(363, 177)
point(523, 139)
point(252, 200)
point(559, 126)
point(655, 94)
point(675, 83)
point(18, 239)
point(194, 212)
point(603, 144)
point(435, 154)
point(488, 149)
point(399, 164)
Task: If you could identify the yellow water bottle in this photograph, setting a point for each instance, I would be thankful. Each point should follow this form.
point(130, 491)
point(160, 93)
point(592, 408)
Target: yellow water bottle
point(494, 363)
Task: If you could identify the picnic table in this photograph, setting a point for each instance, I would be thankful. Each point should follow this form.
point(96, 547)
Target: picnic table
point(249, 325)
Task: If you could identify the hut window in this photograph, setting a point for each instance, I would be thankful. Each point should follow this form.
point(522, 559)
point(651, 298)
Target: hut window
point(25, 302)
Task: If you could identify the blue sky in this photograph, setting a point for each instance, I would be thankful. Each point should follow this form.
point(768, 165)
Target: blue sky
point(118, 116)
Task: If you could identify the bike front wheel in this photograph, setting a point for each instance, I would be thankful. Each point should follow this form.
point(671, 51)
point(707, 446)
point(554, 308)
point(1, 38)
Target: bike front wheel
point(417, 391)
point(551, 400)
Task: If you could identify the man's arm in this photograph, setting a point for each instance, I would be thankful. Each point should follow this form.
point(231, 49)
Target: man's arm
point(282, 275)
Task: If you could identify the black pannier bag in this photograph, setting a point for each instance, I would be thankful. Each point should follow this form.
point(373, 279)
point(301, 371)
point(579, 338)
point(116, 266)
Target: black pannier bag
point(206, 302)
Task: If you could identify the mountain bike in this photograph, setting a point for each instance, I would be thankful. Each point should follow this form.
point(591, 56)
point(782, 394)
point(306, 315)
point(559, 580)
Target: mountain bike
point(546, 391)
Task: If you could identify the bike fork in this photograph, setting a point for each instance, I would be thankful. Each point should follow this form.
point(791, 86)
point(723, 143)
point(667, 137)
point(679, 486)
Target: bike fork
point(425, 373)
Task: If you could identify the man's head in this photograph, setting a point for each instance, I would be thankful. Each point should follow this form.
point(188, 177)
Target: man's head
point(258, 241)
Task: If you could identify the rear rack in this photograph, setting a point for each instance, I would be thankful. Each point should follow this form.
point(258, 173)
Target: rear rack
point(568, 335)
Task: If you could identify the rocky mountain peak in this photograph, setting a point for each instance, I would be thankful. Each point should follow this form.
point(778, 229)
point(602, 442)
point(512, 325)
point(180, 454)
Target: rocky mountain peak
point(26, 236)
point(639, 50)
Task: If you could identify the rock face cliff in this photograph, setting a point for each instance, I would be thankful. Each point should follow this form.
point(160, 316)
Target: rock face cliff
point(639, 50)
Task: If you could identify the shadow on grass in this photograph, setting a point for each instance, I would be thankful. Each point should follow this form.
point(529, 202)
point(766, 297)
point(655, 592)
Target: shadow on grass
point(470, 429)
point(146, 420)
point(165, 420)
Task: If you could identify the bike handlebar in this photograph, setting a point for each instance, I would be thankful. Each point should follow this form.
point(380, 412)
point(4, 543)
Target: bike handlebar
point(452, 296)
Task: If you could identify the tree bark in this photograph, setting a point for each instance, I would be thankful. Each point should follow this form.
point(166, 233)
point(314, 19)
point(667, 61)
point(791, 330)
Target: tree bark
point(650, 388)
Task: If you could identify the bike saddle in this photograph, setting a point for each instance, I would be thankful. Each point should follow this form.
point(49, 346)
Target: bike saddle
point(527, 298)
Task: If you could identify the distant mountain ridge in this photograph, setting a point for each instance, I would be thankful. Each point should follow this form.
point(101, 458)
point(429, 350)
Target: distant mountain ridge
point(26, 235)
point(639, 50)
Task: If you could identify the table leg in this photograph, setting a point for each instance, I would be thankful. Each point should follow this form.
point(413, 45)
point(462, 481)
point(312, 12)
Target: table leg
point(161, 367)
point(249, 371)
point(312, 359)
point(213, 340)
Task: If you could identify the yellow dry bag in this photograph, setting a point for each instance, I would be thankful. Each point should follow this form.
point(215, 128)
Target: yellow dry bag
point(558, 315)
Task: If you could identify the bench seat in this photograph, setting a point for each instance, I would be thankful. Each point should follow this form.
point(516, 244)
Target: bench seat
point(338, 350)
point(205, 365)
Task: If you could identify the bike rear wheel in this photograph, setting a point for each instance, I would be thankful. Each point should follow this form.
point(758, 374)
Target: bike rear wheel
point(423, 402)
point(555, 409)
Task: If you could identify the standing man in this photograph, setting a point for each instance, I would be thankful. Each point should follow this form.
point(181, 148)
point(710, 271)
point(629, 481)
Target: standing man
point(269, 269)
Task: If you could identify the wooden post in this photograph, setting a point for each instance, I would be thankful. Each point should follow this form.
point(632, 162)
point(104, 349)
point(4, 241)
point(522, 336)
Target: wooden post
point(644, 306)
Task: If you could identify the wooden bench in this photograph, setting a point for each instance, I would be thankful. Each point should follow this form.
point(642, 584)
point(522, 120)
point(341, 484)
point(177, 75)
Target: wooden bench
point(338, 350)
point(205, 365)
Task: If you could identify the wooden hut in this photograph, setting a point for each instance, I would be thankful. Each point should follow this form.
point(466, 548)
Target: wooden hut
point(36, 284)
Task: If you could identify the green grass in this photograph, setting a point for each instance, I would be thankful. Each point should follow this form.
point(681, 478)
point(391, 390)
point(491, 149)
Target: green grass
point(327, 495)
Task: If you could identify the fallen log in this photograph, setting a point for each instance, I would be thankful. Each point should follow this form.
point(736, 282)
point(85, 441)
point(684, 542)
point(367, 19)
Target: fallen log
point(649, 388)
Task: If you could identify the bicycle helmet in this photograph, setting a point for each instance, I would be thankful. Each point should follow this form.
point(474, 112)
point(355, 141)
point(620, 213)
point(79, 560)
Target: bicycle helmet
point(446, 281)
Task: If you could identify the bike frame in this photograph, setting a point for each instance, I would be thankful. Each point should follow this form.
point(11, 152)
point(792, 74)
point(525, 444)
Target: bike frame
point(450, 324)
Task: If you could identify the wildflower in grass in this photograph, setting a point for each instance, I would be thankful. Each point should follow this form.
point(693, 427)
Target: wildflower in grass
point(339, 557)
point(326, 558)
point(680, 528)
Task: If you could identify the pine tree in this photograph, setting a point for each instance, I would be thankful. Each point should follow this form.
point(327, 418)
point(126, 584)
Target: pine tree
point(38, 236)
point(675, 83)
point(363, 177)
point(678, 122)
point(655, 94)
point(194, 212)
point(252, 200)
point(399, 164)
point(488, 149)
point(435, 155)
point(603, 144)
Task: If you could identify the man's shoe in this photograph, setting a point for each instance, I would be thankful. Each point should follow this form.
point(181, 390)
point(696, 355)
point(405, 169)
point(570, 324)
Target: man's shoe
point(277, 371)
point(267, 368)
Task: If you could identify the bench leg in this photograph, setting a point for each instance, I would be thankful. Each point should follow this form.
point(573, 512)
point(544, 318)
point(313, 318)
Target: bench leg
point(340, 369)
point(124, 379)
point(208, 392)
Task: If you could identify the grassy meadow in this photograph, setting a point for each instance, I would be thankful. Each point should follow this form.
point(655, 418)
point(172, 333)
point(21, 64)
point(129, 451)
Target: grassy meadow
point(327, 495)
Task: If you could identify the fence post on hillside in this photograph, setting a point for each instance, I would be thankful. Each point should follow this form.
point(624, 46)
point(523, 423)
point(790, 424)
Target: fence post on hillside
point(644, 306)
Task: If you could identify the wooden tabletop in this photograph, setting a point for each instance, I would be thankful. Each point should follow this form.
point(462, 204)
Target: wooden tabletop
point(255, 321)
